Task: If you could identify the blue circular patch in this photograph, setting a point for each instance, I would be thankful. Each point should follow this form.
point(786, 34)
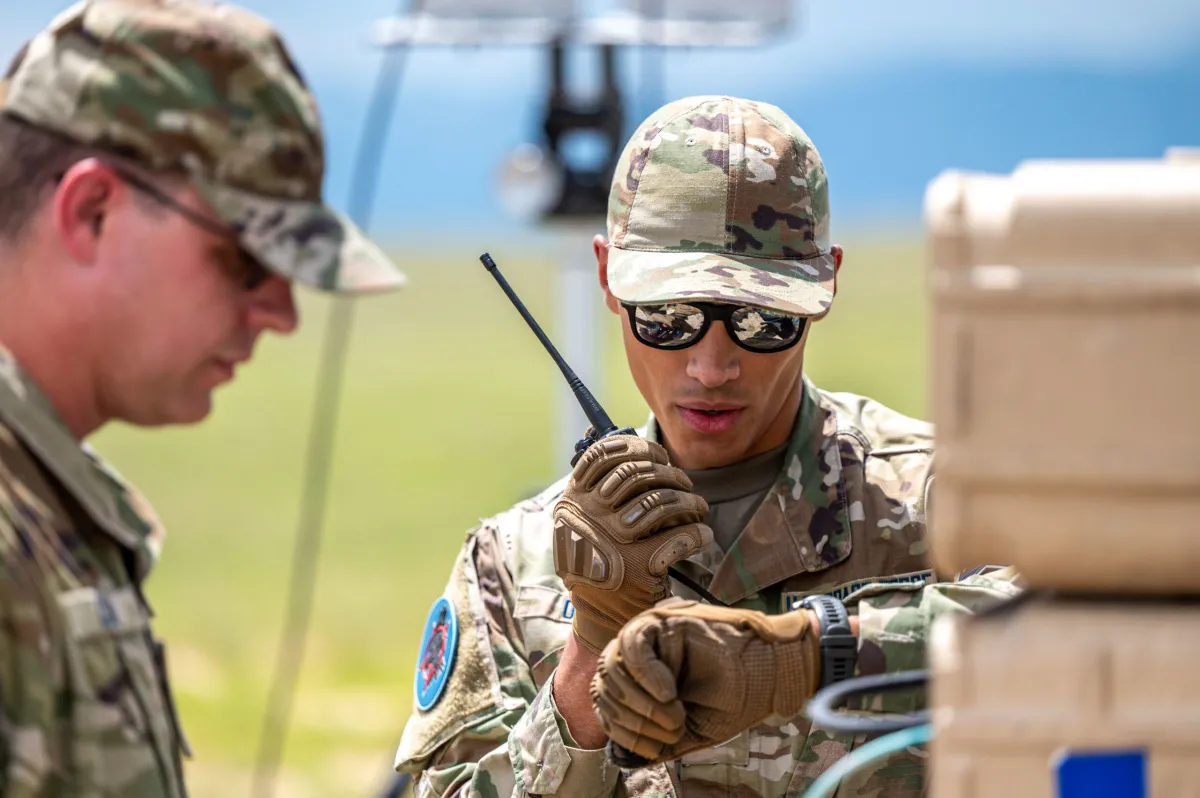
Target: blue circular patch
point(437, 654)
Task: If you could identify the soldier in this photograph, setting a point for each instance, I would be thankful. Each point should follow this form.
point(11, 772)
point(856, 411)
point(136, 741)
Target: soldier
point(161, 165)
point(761, 487)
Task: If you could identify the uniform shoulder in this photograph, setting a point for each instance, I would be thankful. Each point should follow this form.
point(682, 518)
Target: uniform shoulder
point(26, 496)
point(882, 430)
point(539, 503)
point(32, 564)
point(524, 530)
point(31, 632)
point(897, 453)
point(488, 681)
point(135, 509)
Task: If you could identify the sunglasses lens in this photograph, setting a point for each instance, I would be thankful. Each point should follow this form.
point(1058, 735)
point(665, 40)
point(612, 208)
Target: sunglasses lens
point(667, 326)
point(765, 330)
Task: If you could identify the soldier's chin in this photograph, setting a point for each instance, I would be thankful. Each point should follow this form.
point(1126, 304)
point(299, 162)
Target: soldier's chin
point(697, 450)
point(189, 409)
point(178, 410)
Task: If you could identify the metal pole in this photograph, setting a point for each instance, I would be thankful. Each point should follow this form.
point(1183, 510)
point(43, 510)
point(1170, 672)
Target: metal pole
point(579, 304)
point(306, 552)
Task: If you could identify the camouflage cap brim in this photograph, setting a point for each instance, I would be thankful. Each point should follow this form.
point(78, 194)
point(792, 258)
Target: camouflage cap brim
point(800, 287)
point(305, 241)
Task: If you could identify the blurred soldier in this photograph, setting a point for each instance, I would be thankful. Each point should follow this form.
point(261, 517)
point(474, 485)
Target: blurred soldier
point(763, 488)
point(160, 190)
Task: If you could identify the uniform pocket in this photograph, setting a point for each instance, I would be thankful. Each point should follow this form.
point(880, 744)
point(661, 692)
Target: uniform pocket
point(543, 615)
point(112, 748)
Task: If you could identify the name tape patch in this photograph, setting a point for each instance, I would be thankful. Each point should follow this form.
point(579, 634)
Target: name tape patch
point(792, 598)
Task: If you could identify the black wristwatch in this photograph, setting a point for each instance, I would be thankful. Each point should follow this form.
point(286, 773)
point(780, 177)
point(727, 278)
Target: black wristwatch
point(839, 648)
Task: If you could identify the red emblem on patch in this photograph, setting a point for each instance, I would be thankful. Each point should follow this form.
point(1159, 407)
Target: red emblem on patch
point(433, 658)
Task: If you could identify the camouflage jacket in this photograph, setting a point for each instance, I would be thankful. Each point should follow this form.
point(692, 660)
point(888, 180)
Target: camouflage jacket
point(85, 708)
point(846, 517)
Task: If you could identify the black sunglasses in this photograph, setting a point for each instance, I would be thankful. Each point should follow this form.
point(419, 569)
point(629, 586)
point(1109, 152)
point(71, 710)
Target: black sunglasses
point(678, 325)
point(251, 273)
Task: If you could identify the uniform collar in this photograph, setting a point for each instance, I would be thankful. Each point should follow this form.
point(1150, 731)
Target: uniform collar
point(104, 495)
point(802, 524)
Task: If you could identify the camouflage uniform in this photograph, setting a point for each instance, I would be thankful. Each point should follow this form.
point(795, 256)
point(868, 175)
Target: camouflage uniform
point(86, 706)
point(208, 92)
point(713, 199)
point(846, 517)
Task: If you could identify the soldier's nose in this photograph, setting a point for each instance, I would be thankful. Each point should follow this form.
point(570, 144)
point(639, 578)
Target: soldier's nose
point(715, 360)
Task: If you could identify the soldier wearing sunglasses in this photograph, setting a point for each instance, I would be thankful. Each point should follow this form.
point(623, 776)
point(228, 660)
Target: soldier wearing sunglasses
point(802, 508)
point(161, 164)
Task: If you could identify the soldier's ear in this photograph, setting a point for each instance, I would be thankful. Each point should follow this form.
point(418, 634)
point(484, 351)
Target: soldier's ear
point(600, 247)
point(81, 204)
point(836, 251)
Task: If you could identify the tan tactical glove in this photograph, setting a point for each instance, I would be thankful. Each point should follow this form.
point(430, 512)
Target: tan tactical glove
point(685, 676)
point(625, 516)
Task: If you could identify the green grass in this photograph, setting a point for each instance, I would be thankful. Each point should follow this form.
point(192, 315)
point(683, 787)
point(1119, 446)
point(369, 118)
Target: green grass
point(446, 417)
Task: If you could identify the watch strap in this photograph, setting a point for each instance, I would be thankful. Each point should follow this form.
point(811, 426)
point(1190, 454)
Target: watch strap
point(839, 647)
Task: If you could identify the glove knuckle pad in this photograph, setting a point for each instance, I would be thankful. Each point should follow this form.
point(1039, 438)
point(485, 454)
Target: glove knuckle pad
point(625, 477)
point(645, 505)
point(664, 508)
point(599, 458)
point(670, 552)
point(592, 457)
point(577, 555)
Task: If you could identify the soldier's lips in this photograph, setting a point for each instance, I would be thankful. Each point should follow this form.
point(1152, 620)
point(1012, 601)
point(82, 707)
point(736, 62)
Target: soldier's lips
point(227, 366)
point(225, 369)
point(710, 419)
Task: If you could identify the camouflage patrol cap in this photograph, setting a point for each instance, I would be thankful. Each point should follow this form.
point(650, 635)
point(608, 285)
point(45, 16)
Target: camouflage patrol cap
point(208, 90)
point(721, 199)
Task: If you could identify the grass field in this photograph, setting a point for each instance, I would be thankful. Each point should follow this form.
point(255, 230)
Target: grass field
point(445, 418)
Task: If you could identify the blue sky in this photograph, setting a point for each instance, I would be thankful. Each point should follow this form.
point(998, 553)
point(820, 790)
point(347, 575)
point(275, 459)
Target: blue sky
point(892, 93)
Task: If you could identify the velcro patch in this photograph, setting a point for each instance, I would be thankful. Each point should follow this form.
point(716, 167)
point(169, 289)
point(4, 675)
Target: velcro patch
point(792, 598)
point(471, 694)
point(90, 612)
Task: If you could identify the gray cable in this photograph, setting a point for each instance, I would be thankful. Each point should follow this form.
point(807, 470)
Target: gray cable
point(821, 706)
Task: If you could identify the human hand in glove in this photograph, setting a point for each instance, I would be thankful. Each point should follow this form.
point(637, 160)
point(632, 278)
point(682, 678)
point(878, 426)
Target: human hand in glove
point(625, 516)
point(685, 676)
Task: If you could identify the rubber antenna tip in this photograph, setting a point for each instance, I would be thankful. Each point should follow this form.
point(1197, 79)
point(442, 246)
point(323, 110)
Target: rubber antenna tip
point(487, 261)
